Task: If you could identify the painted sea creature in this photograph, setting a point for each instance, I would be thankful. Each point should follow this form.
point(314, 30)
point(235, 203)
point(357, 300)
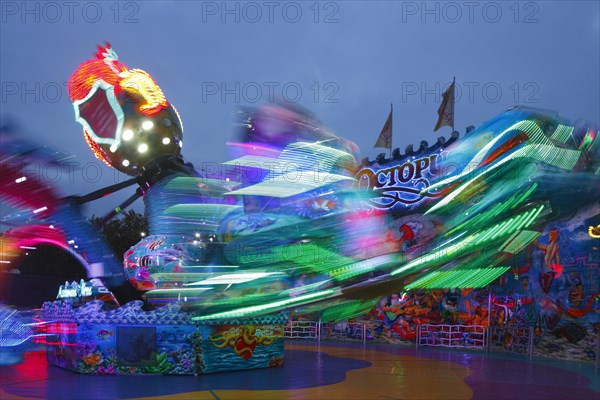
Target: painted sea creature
point(104, 334)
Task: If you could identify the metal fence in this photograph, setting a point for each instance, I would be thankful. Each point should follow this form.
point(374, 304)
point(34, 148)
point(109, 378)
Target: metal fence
point(344, 331)
point(517, 340)
point(512, 339)
point(598, 351)
point(303, 330)
point(464, 336)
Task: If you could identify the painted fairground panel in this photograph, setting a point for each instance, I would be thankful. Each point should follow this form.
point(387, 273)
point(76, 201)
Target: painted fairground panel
point(555, 288)
point(95, 349)
point(176, 349)
point(236, 347)
point(110, 349)
point(162, 349)
point(552, 290)
point(125, 341)
point(136, 346)
point(61, 344)
point(85, 348)
point(130, 340)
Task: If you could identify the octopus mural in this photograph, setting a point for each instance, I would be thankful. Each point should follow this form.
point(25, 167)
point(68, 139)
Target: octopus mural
point(244, 339)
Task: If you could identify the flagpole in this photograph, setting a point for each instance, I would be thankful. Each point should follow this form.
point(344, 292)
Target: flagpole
point(391, 128)
point(453, 101)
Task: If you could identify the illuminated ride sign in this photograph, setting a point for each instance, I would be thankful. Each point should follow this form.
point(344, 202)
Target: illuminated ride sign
point(401, 184)
point(81, 289)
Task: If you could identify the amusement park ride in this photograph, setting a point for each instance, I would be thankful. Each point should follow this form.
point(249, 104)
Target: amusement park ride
point(296, 225)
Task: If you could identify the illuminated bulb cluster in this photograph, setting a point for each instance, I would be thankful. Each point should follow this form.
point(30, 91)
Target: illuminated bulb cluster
point(126, 118)
point(143, 139)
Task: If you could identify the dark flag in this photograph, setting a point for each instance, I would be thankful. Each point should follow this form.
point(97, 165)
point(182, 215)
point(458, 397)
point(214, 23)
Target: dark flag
point(446, 110)
point(385, 137)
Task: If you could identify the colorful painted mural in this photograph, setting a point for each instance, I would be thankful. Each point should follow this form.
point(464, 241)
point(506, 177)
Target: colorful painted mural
point(129, 340)
point(553, 288)
point(234, 347)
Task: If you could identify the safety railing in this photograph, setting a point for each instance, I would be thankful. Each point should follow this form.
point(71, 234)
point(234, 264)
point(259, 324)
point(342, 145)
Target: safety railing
point(463, 336)
point(512, 339)
point(598, 351)
point(303, 330)
point(344, 331)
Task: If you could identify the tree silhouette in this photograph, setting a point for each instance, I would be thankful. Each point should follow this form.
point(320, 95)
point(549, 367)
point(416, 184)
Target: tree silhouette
point(122, 233)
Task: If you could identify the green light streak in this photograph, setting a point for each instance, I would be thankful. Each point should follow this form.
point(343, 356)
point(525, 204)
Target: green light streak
point(525, 126)
point(347, 310)
point(518, 241)
point(587, 140)
point(533, 216)
point(505, 227)
point(310, 256)
point(510, 203)
point(540, 148)
point(522, 220)
point(446, 254)
point(459, 278)
point(269, 307)
point(562, 133)
point(365, 266)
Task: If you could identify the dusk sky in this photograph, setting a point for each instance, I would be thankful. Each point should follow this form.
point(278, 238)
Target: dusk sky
point(346, 61)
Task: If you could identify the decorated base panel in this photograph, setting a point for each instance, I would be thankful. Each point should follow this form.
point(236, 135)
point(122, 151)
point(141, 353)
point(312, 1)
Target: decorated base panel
point(129, 340)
